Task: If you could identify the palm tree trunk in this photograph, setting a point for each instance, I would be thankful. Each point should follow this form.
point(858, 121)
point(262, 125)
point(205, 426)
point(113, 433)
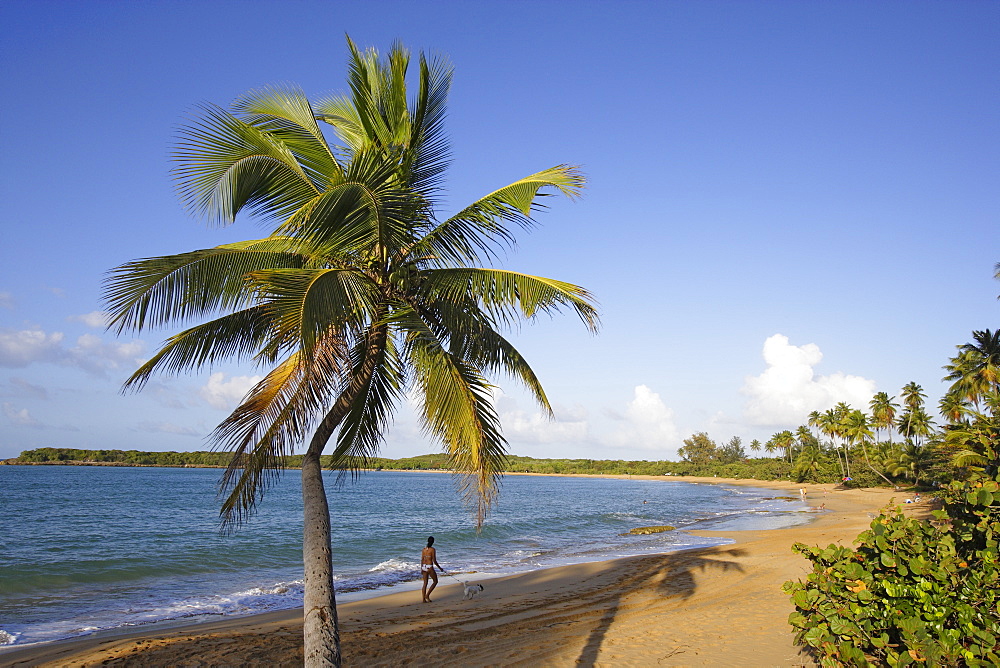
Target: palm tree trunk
point(869, 462)
point(836, 452)
point(320, 630)
point(321, 633)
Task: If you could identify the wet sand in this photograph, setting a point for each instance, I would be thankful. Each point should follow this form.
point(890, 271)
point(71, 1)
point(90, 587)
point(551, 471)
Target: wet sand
point(704, 607)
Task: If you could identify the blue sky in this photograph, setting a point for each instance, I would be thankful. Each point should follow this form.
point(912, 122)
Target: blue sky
point(790, 204)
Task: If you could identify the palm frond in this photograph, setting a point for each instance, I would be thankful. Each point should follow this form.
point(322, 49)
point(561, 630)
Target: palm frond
point(430, 152)
point(510, 295)
point(272, 420)
point(458, 410)
point(470, 335)
point(341, 114)
point(153, 292)
point(365, 211)
point(484, 227)
point(377, 382)
point(284, 113)
point(310, 303)
point(224, 164)
point(238, 336)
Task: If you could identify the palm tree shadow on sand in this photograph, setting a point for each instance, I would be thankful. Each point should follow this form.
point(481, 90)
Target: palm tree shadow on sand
point(672, 575)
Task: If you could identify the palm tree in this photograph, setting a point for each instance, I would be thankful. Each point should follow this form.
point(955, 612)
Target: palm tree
point(976, 442)
point(755, 445)
point(805, 438)
point(915, 425)
point(814, 420)
point(909, 460)
point(857, 430)
point(975, 371)
point(883, 413)
point(829, 424)
point(913, 398)
point(359, 295)
point(953, 407)
point(840, 412)
point(810, 460)
point(785, 440)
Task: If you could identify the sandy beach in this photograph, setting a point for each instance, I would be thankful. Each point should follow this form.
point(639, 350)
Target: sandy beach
point(719, 606)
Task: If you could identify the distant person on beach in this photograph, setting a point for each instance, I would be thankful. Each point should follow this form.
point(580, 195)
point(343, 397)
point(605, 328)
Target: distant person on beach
point(428, 560)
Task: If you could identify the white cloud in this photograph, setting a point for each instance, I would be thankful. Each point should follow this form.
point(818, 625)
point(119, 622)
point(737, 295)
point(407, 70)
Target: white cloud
point(19, 416)
point(789, 389)
point(226, 394)
point(6, 300)
point(95, 355)
point(566, 426)
point(95, 319)
point(92, 354)
point(21, 348)
point(647, 424)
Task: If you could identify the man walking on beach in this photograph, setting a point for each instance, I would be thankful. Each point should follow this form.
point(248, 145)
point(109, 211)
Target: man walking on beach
point(428, 560)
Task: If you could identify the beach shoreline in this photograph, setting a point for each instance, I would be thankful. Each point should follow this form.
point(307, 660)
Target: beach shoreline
point(704, 606)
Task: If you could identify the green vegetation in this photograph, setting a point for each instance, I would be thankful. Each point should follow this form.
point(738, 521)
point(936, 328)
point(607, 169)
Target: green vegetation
point(766, 468)
point(913, 592)
point(123, 457)
point(918, 592)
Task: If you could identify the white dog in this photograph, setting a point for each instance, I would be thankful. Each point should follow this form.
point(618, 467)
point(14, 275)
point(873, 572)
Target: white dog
point(471, 590)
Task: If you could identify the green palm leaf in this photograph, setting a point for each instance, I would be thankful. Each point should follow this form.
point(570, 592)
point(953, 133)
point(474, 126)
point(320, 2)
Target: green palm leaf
point(225, 164)
point(458, 410)
point(236, 336)
point(284, 113)
point(156, 291)
point(310, 303)
point(273, 419)
point(510, 295)
point(483, 226)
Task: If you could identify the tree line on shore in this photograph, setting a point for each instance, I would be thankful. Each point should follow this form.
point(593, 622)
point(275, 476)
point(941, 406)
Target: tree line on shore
point(767, 468)
point(851, 451)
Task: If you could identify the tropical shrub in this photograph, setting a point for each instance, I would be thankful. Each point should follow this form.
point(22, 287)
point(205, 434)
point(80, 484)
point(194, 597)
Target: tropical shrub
point(913, 592)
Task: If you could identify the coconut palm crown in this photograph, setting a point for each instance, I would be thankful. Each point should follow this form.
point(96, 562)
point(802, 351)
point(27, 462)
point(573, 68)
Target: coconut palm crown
point(360, 295)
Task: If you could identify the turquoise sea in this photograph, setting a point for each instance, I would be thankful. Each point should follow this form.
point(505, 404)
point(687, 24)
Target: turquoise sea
point(87, 549)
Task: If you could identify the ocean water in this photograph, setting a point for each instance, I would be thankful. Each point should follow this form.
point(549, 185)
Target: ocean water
point(89, 549)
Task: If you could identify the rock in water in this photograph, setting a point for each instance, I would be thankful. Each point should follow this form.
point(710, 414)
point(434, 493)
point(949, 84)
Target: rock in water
point(640, 531)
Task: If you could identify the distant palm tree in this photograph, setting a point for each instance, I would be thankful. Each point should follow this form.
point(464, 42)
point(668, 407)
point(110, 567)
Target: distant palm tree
point(785, 440)
point(814, 420)
point(913, 395)
point(810, 459)
point(883, 412)
point(841, 411)
point(913, 399)
point(909, 461)
point(915, 425)
point(857, 431)
point(829, 423)
point(755, 445)
point(360, 297)
point(976, 442)
point(770, 446)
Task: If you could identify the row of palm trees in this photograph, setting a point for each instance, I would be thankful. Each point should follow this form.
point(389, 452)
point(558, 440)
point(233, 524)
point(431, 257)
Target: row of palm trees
point(974, 374)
